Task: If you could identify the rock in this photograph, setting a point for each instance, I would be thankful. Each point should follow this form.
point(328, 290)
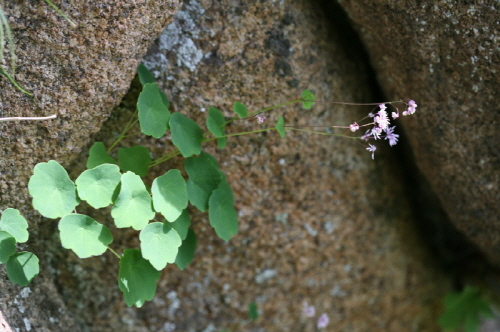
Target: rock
point(445, 56)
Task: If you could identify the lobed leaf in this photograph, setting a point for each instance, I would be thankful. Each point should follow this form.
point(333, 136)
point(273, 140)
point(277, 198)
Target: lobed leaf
point(186, 251)
point(7, 246)
point(221, 213)
point(181, 224)
point(98, 156)
point(22, 268)
point(135, 159)
point(14, 223)
point(145, 75)
point(204, 178)
point(85, 236)
point(98, 185)
point(308, 98)
point(216, 125)
point(240, 109)
point(159, 244)
point(186, 135)
point(133, 205)
point(280, 126)
point(137, 278)
point(170, 194)
point(153, 113)
point(54, 194)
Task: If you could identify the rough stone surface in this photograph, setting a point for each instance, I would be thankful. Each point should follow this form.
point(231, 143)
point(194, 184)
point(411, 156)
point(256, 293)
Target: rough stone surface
point(320, 221)
point(445, 55)
point(79, 73)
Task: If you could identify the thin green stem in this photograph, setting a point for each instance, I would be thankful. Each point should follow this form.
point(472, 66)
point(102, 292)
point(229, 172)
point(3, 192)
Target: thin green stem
point(114, 253)
point(13, 81)
point(131, 122)
point(239, 134)
point(60, 12)
point(164, 158)
point(321, 133)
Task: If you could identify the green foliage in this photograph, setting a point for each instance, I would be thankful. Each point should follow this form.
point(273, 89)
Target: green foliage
point(169, 194)
point(159, 244)
point(464, 309)
point(133, 205)
point(186, 135)
point(222, 215)
point(253, 311)
point(14, 223)
point(308, 99)
point(137, 278)
point(145, 75)
point(280, 126)
point(204, 178)
point(7, 246)
point(54, 194)
point(85, 236)
point(216, 125)
point(98, 156)
point(135, 159)
point(186, 251)
point(181, 225)
point(98, 185)
point(240, 109)
point(22, 268)
point(153, 113)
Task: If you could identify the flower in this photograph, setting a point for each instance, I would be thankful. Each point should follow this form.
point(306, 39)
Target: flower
point(261, 118)
point(395, 115)
point(389, 134)
point(411, 108)
point(381, 119)
point(323, 321)
point(354, 127)
point(372, 149)
point(367, 135)
point(308, 310)
point(376, 131)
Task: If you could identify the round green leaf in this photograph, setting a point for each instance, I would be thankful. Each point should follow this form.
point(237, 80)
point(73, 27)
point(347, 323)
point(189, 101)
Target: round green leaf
point(204, 178)
point(85, 236)
point(22, 268)
point(170, 194)
point(181, 225)
point(133, 205)
point(54, 194)
point(308, 99)
point(280, 126)
point(221, 213)
point(137, 278)
point(97, 185)
point(216, 125)
point(240, 109)
point(14, 223)
point(159, 244)
point(7, 246)
point(153, 114)
point(98, 156)
point(145, 75)
point(135, 159)
point(186, 135)
point(186, 250)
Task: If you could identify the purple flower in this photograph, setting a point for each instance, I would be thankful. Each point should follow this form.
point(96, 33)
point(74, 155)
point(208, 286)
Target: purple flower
point(381, 119)
point(354, 127)
point(389, 134)
point(382, 107)
point(308, 310)
point(412, 108)
point(395, 115)
point(376, 131)
point(261, 118)
point(372, 149)
point(323, 321)
point(367, 135)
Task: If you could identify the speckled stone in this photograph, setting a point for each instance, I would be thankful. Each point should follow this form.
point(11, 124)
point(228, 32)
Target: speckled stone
point(79, 73)
point(445, 56)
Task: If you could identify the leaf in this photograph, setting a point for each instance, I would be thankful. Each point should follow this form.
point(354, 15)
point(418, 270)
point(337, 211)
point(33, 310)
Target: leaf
point(145, 75)
point(14, 223)
point(7, 246)
point(22, 268)
point(280, 126)
point(240, 109)
point(159, 244)
point(186, 250)
point(216, 125)
point(170, 194)
point(221, 213)
point(166, 102)
point(85, 236)
point(204, 178)
point(153, 114)
point(135, 159)
point(137, 278)
point(98, 185)
point(308, 98)
point(186, 135)
point(133, 205)
point(54, 194)
point(253, 311)
point(98, 156)
point(181, 225)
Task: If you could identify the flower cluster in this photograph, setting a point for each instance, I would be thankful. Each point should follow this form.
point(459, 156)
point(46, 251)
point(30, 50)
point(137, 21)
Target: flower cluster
point(381, 125)
point(309, 311)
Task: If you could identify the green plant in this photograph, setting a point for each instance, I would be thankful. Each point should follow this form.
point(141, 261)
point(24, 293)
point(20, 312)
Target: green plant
point(168, 238)
point(464, 309)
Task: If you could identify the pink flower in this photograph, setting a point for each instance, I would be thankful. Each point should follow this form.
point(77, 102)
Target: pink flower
point(381, 119)
point(376, 131)
point(412, 108)
point(367, 135)
point(395, 115)
point(389, 134)
point(382, 107)
point(354, 127)
point(372, 149)
point(261, 118)
point(308, 310)
point(323, 321)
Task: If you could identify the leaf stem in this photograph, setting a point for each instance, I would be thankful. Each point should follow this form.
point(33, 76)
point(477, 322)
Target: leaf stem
point(114, 253)
point(131, 122)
